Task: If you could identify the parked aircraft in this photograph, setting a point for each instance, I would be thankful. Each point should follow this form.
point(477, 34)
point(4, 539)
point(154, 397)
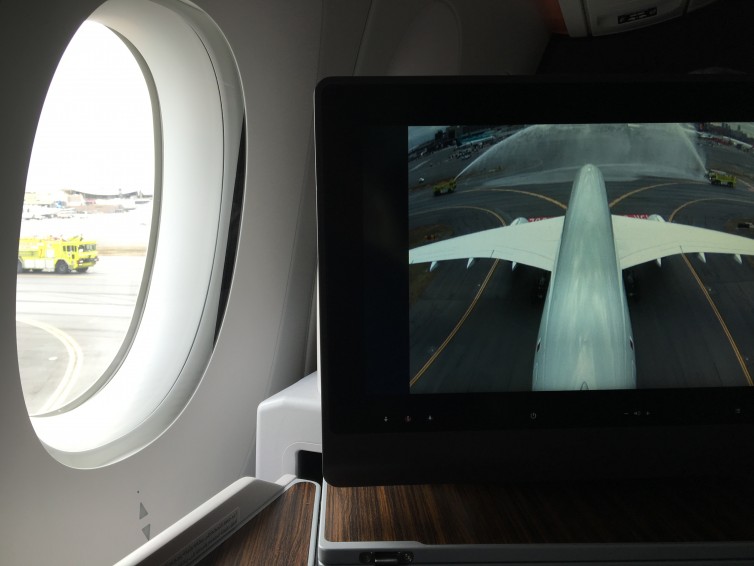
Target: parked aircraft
point(226, 313)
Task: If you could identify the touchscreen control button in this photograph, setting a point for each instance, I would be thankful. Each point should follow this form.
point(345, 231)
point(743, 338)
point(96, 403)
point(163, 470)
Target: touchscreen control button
point(637, 413)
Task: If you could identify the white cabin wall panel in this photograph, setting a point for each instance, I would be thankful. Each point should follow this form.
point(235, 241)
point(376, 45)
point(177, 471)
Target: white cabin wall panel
point(343, 25)
point(386, 27)
point(490, 38)
point(503, 38)
point(574, 17)
point(32, 41)
point(430, 45)
point(53, 514)
point(264, 335)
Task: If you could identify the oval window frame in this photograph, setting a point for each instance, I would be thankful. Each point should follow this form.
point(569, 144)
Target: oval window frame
point(200, 117)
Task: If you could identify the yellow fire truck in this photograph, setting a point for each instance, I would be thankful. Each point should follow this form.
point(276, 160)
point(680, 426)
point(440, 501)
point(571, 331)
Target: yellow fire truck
point(56, 254)
point(445, 187)
point(716, 177)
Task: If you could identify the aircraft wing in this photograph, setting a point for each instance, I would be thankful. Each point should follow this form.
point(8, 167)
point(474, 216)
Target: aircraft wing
point(638, 241)
point(531, 243)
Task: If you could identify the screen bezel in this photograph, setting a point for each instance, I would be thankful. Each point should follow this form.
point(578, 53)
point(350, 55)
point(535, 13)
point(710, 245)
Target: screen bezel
point(374, 438)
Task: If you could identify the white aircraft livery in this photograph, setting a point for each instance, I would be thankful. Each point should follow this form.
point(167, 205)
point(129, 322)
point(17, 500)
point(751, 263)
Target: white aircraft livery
point(585, 340)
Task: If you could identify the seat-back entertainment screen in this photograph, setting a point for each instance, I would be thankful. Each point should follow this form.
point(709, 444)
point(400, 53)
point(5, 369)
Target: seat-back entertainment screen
point(535, 279)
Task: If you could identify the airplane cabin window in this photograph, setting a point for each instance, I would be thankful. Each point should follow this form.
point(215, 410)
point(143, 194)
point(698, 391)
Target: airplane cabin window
point(91, 183)
point(127, 241)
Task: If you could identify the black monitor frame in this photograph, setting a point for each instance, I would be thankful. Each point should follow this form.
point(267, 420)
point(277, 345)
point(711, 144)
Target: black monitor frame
point(374, 431)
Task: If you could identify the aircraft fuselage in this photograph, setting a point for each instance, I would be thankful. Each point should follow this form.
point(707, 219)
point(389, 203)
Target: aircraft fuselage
point(585, 339)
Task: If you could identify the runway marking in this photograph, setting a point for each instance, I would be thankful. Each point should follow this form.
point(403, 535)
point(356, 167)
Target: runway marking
point(642, 189)
point(733, 345)
point(455, 330)
point(699, 282)
point(689, 203)
point(527, 193)
point(73, 367)
point(471, 307)
point(728, 335)
point(468, 207)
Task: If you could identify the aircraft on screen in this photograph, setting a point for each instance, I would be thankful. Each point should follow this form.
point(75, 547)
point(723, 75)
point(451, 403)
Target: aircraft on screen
point(585, 340)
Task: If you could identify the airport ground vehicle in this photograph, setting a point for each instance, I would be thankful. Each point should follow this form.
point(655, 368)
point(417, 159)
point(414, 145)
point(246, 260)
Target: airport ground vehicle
point(445, 187)
point(56, 254)
point(716, 177)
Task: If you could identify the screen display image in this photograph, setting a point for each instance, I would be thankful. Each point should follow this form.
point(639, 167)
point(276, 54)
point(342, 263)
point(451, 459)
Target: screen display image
point(580, 257)
point(535, 278)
